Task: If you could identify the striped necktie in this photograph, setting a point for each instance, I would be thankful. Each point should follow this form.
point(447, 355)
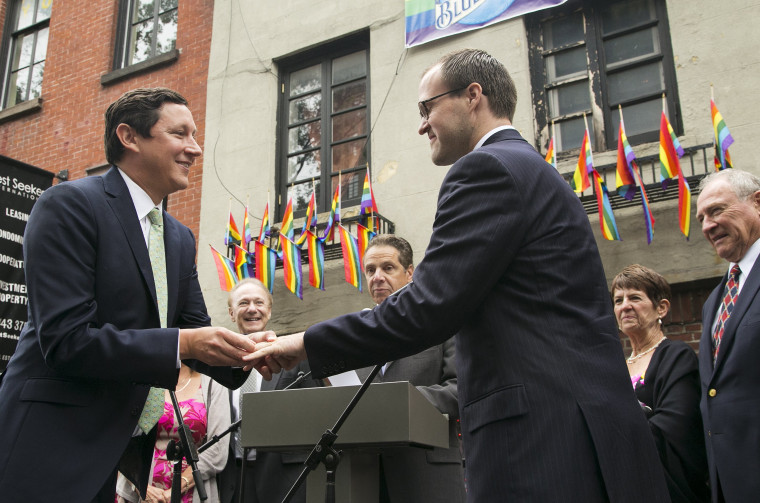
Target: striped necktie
point(154, 405)
point(726, 307)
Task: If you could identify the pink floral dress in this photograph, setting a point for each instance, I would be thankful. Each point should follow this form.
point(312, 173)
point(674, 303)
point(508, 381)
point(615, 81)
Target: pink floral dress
point(195, 417)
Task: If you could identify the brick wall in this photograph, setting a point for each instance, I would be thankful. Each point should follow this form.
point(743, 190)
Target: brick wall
point(684, 321)
point(68, 132)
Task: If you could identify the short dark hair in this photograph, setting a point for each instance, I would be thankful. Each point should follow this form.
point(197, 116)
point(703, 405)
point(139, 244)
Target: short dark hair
point(138, 108)
point(642, 278)
point(405, 255)
point(461, 68)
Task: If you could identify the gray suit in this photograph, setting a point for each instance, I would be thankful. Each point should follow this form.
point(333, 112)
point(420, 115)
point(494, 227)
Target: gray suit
point(413, 474)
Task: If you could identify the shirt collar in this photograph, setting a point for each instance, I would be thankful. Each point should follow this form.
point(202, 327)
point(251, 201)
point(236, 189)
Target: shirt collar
point(142, 201)
point(748, 260)
point(491, 133)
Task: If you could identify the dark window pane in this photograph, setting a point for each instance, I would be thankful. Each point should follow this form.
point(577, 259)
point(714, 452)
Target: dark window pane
point(22, 56)
point(631, 46)
point(35, 90)
point(570, 133)
point(304, 136)
point(167, 32)
point(349, 67)
point(305, 108)
point(19, 81)
point(563, 31)
point(349, 124)
point(566, 64)
point(350, 95)
point(301, 195)
point(639, 118)
point(303, 81)
point(143, 10)
point(351, 184)
point(636, 82)
point(142, 34)
point(349, 155)
point(570, 98)
point(620, 15)
point(168, 4)
point(41, 49)
point(304, 166)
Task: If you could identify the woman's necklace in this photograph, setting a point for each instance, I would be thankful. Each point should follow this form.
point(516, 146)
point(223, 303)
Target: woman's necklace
point(633, 357)
point(185, 386)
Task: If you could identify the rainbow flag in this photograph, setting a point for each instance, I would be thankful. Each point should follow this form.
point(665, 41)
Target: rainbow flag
point(232, 236)
point(310, 220)
point(606, 218)
point(684, 205)
point(648, 218)
point(580, 182)
point(334, 215)
point(670, 152)
point(243, 267)
point(316, 253)
point(286, 229)
point(247, 238)
point(266, 259)
point(291, 266)
point(225, 269)
point(368, 205)
point(364, 237)
point(723, 139)
point(551, 155)
point(351, 266)
point(624, 181)
point(264, 230)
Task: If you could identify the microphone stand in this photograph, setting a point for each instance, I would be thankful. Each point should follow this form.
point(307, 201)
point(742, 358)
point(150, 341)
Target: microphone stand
point(186, 449)
point(323, 451)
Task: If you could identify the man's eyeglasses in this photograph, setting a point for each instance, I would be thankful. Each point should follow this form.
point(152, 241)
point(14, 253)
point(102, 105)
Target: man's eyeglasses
point(424, 112)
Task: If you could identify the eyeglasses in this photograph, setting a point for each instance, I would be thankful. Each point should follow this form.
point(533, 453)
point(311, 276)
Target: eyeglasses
point(424, 112)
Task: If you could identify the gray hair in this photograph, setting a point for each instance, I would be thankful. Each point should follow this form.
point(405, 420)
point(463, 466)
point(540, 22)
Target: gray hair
point(743, 183)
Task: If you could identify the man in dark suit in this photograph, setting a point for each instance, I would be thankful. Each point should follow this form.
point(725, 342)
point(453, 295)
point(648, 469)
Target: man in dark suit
point(268, 475)
point(512, 268)
point(409, 474)
point(109, 318)
point(729, 210)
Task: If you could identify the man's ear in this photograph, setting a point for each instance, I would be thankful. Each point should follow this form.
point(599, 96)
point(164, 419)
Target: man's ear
point(127, 136)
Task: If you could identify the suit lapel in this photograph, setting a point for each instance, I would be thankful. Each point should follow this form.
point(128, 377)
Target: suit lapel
point(124, 210)
point(172, 250)
point(705, 344)
point(746, 296)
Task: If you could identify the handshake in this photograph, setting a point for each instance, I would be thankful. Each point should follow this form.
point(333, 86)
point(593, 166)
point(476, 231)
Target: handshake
point(263, 351)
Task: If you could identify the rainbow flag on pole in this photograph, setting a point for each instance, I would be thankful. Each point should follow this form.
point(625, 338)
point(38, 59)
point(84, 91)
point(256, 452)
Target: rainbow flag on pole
point(364, 236)
point(723, 139)
point(368, 204)
point(334, 216)
point(247, 237)
point(310, 220)
point(670, 167)
point(243, 267)
point(351, 266)
point(232, 236)
point(316, 253)
point(264, 230)
point(585, 164)
point(624, 180)
point(291, 266)
point(225, 269)
point(551, 155)
point(606, 218)
point(286, 229)
point(266, 259)
point(648, 218)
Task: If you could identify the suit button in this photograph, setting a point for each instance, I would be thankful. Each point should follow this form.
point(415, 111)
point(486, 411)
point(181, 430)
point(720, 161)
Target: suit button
point(712, 392)
point(709, 433)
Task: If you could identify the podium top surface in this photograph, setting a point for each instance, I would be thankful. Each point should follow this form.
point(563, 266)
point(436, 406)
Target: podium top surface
point(389, 414)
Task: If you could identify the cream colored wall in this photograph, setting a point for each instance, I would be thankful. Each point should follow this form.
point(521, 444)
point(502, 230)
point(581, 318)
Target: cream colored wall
point(243, 89)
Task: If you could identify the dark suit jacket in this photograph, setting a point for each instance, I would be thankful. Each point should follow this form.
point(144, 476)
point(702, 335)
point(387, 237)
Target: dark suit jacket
point(512, 268)
point(413, 474)
point(732, 416)
point(75, 387)
point(270, 476)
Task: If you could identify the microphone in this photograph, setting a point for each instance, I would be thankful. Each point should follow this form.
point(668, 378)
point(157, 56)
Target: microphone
point(298, 380)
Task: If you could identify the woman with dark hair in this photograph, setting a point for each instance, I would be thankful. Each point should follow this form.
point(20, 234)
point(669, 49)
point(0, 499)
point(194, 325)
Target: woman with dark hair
point(665, 378)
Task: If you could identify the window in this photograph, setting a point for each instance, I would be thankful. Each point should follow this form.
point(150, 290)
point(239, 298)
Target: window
point(324, 125)
point(590, 56)
point(148, 28)
point(27, 32)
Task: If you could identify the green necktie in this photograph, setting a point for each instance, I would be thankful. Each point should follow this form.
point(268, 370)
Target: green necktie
point(154, 405)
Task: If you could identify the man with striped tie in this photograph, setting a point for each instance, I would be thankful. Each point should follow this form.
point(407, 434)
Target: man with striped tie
point(729, 210)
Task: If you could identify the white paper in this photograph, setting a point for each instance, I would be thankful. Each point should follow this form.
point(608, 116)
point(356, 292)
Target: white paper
point(345, 379)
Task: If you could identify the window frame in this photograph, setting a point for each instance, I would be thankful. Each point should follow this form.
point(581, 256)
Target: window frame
point(10, 36)
point(322, 55)
point(123, 42)
point(604, 134)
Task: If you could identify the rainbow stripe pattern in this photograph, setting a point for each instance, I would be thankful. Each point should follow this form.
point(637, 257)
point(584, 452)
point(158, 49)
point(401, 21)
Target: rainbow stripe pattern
point(606, 218)
point(580, 182)
point(334, 216)
point(551, 155)
point(232, 236)
point(316, 253)
point(351, 267)
point(291, 266)
point(624, 180)
point(670, 152)
point(264, 230)
point(364, 236)
point(243, 267)
point(247, 237)
point(723, 139)
point(266, 259)
point(225, 269)
point(286, 229)
point(310, 220)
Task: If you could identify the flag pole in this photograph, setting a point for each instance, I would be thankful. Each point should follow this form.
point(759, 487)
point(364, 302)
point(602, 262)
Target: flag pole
point(665, 106)
point(229, 235)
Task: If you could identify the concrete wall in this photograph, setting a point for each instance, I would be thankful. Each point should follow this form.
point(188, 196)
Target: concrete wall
point(243, 89)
